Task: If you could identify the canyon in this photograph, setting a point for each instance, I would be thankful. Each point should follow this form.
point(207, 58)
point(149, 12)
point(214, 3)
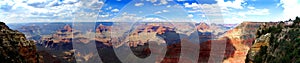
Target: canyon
point(235, 41)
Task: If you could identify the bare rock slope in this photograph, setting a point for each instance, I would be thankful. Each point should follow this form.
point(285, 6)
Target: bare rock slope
point(14, 48)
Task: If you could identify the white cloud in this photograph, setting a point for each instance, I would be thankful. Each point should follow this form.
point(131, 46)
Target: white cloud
point(104, 16)
point(138, 4)
point(165, 11)
point(126, 17)
point(213, 8)
point(69, 1)
point(291, 8)
point(163, 1)
point(160, 2)
point(153, 20)
point(193, 11)
point(257, 12)
point(108, 8)
point(207, 9)
point(162, 11)
point(48, 10)
point(158, 12)
point(168, 6)
point(193, 5)
point(115, 10)
point(232, 20)
point(91, 4)
point(202, 15)
point(251, 7)
point(153, 1)
point(232, 11)
point(36, 1)
point(237, 4)
point(190, 16)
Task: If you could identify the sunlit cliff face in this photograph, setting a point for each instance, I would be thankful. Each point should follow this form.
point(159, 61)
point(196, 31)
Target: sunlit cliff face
point(161, 30)
point(203, 26)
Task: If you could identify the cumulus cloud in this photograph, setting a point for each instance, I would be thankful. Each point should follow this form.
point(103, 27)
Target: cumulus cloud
point(115, 10)
point(153, 20)
point(290, 8)
point(190, 16)
point(165, 11)
point(162, 11)
point(193, 5)
point(251, 7)
point(160, 2)
point(153, 1)
point(237, 4)
point(45, 10)
point(138, 4)
point(231, 20)
point(158, 12)
point(168, 6)
point(163, 1)
point(126, 17)
point(108, 8)
point(202, 15)
point(256, 12)
point(207, 9)
point(105, 15)
point(36, 1)
point(230, 10)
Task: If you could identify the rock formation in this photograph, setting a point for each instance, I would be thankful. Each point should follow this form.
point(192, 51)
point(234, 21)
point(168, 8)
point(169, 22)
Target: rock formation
point(203, 26)
point(14, 48)
point(241, 38)
point(276, 42)
point(215, 30)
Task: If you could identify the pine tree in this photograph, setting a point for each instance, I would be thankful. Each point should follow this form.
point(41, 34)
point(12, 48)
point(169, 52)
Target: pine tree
point(297, 20)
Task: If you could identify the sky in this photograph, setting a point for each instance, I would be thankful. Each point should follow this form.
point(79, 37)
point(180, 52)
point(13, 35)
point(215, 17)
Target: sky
point(211, 11)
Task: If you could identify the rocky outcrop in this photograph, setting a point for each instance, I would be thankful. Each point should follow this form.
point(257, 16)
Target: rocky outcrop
point(14, 48)
point(276, 42)
point(203, 26)
point(241, 38)
point(262, 41)
point(215, 30)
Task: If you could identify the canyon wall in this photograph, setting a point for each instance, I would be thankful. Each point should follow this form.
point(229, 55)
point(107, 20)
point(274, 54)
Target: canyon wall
point(276, 43)
point(15, 48)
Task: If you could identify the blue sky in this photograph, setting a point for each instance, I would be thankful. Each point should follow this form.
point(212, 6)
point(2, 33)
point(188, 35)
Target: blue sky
point(219, 11)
